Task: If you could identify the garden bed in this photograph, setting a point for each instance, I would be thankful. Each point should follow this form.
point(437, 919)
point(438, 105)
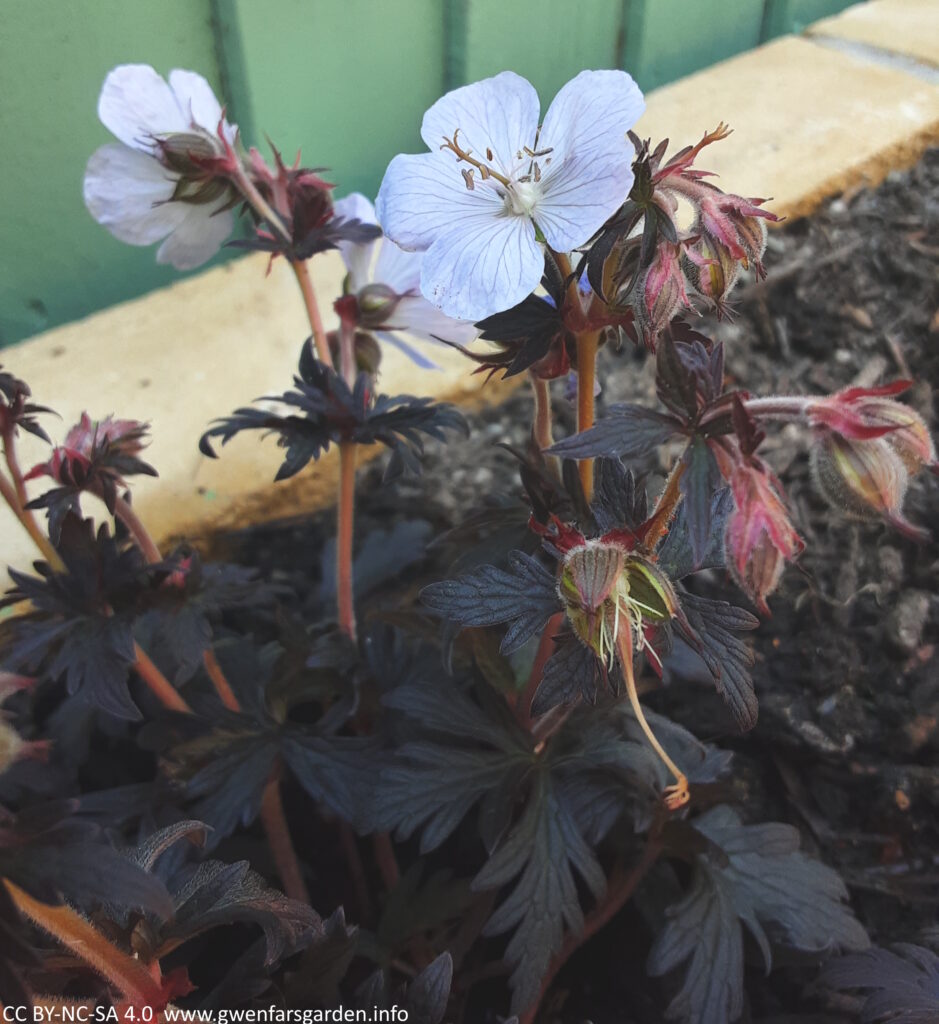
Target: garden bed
point(847, 673)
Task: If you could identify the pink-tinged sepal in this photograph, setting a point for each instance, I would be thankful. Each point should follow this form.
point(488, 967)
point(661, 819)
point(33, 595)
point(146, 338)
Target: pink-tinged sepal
point(864, 414)
point(759, 537)
point(865, 479)
point(660, 293)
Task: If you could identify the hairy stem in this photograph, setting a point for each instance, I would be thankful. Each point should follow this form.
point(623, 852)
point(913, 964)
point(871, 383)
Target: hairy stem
point(587, 345)
point(167, 694)
point(285, 857)
point(17, 498)
point(345, 521)
point(124, 511)
point(545, 650)
point(302, 272)
point(127, 974)
point(543, 421)
point(620, 889)
point(665, 507)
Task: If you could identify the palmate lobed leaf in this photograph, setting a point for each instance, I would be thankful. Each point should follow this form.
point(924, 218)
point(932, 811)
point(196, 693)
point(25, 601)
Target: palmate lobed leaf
point(903, 983)
point(758, 878)
point(525, 596)
point(540, 856)
point(628, 431)
point(329, 412)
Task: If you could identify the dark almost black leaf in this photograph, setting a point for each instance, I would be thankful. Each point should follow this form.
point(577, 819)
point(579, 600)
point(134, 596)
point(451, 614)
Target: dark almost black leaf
point(323, 964)
point(417, 906)
point(334, 770)
point(689, 371)
point(16, 411)
point(570, 675)
point(525, 596)
point(384, 554)
point(213, 894)
point(429, 993)
point(699, 482)
point(52, 856)
point(618, 500)
point(435, 781)
point(539, 855)
point(629, 432)
point(329, 412)
point(80, 625)
point(529, 333)
point(728, 657)
point(320, 238)
point(903, 982)
point(675, 555)
point(762, 880)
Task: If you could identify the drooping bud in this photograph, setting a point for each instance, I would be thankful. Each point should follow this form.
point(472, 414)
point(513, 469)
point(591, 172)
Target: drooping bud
point(711, 270)
point(367, 351)
point(736, 223)
point(660, 293)
point(759, 537)
point(865, 480)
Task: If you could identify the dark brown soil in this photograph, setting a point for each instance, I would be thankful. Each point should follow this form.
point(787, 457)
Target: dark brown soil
point(847, 745)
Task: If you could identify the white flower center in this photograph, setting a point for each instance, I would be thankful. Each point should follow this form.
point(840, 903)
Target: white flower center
point(522, 197)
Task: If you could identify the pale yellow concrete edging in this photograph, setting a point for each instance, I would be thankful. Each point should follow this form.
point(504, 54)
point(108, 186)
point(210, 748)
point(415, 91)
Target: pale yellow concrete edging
point(808, 122)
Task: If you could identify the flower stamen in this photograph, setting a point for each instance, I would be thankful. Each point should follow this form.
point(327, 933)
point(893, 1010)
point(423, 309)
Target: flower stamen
point(485, 171)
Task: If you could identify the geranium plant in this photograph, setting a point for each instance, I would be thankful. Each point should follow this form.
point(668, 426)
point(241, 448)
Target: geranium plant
point(491, 806)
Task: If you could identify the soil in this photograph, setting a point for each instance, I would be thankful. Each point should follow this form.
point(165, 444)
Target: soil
point(847, 744)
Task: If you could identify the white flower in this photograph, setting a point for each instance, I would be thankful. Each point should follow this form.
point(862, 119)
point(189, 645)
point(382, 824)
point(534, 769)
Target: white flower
point(130, 185)
point(473, 204)
point(386, 281)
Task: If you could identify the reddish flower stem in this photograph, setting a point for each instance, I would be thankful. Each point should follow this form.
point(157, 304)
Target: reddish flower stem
point(619, 891)
point(127, 974)
point(545, 650)
point(285, 857)
point(386, 860)
point(665, 506)
point(302, 272)
point(587, 345)
point(350, 848)
point(126, 514)
point(222, 686)
point(17, 498)
point(345, 517)
point(167, 694)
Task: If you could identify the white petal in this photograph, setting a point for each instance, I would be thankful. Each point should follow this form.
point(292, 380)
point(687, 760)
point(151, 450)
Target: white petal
point(357, 256)
point(398, 268)
point(136, 104)
point(482, 266)
point(128, 192)
point(590, 173)
point(414, 354)
point(499, 113)
point(418, 317)
point(196, 99)
point(197, 239)
point(422, 196)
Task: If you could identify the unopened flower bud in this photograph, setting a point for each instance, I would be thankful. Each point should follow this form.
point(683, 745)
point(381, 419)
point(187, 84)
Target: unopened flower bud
point(711, 270)
point(736, 223)
point(377, 304)
point(660, 293)
point(865, 479)
point(367, 351)
point(759, 538)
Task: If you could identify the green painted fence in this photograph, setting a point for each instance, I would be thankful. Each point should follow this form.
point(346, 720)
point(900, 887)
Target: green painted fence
point(346, 82)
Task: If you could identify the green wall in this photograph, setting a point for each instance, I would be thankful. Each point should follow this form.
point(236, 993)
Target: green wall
point(346, 82)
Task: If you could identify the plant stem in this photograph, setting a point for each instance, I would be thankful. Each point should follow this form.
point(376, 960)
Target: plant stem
point(619, 891)
point(665, 506)
point(587, 345)
point(675, 796)
point(126, 514)
point(545, 650)
point(345, 520)
point(543, 421)
point(222, 686)
point(124, 972)
point(17, 498)
point(302, 272)
point(278, 838)
point(167, 694)
point(386, 860)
